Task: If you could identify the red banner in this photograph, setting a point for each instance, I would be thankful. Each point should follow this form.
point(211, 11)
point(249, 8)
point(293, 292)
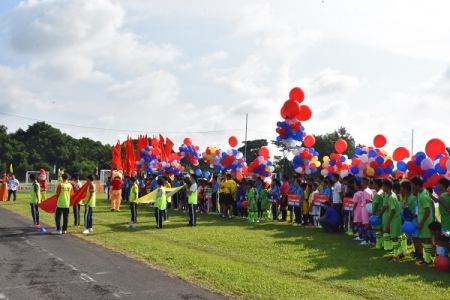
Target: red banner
point(347, 204)
point(294, 199)
point(319, 199)
point(49, 205)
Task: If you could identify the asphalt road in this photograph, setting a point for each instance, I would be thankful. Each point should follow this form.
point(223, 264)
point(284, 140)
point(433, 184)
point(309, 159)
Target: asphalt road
point(42, 266)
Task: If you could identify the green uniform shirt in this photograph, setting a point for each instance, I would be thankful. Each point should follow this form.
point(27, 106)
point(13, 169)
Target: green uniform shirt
point(161, 201)
point(378, 199)
point(193, 197)
point(396, 221)
point(424, 201)
point(388, 198)
point(134, 192)
point(263, 197)
point(410, 201)
point(35, 190)
point(64, 196)
point(251, 200)
point(445, 214)
point(90, 191)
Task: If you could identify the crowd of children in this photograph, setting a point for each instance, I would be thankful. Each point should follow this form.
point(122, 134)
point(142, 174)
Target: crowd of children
point(379, 207)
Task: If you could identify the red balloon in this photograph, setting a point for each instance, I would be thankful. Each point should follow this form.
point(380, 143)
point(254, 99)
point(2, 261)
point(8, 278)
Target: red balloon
point(435, 147)
point(441, 263)
point(305, 113)
point(239, 176)
point(309, 141)
point(389, 163)
point(411, 165)
point(291, 108)
point(264, 151)
point(400, 154)
point(443, 162)
point(282, 113)
point(399, 174)
point(155, 142)
point(356, 161)
point(411, 174)
point(340, 146)
point(233, 141)
point(244, 204)
point(379, 141)
point(187, 141)
point(297, 94)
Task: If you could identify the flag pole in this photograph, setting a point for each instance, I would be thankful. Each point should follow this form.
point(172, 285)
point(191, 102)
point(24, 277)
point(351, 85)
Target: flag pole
point(246, 128)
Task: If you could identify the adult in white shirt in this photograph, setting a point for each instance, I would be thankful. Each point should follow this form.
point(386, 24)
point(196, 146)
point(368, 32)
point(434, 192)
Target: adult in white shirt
point(13, 183)
point(338, 195)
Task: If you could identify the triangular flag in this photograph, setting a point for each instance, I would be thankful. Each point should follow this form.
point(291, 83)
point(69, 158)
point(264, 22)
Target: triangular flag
point(11, 169)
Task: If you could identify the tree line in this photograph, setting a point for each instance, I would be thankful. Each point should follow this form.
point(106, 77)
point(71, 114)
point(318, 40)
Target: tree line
point(42, 146)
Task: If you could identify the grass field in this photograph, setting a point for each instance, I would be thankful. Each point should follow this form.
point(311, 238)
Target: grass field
point(257, 261)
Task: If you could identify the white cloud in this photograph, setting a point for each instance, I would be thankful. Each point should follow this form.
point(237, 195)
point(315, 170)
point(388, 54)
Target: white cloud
point(331, 81)
point(214, 57)
point(157, 88)
point(439, 84)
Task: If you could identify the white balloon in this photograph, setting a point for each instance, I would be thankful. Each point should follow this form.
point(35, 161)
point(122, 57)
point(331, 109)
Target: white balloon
point(324, 172)
point(307, 171)
point(344, 173)
point(239, 155)
point(364, 158)
point(369, 208)
point(326, 164)
point(447, 164)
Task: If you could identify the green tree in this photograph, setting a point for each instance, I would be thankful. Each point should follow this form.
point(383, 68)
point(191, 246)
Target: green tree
point(325, 143)
point(252, 149)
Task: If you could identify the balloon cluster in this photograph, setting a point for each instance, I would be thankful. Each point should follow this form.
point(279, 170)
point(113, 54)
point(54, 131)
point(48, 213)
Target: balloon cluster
point(290, 131)
point(149, 161)
point(212, 156)
point(306, 160)
point(234, 161)
point(371, 162)
point(190, 152)
point(335, 163)
point(261, 165)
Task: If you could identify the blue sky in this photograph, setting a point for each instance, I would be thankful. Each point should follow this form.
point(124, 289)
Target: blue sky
point(150, 66)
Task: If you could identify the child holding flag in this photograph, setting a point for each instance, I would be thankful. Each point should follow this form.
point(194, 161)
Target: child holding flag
point(160, 203)
point(89, 203)
point(35, 200)
point(63, 192)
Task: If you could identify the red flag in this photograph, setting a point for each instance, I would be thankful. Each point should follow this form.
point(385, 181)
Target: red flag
point(161, 147)
point(169, 147)
point(116, 161)
point(49, 205)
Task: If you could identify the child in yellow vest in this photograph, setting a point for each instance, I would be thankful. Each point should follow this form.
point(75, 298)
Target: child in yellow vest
point(89, 203)
point(192, 200)
point(63, 192)
point(134, 193)
point(160, 203)
point(35, 200)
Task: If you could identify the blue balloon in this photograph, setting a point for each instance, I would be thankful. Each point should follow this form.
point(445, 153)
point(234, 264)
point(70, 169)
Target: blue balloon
point(401, 166)
point(218, 168)
point(239, 204)
point(389, 170)
point(439, 156)
point(430, 172)
point(266, 174)
point(297, 160)
point(409, 228)
point(279, 139)
point(354, 170)
point(332, 162)
point(358, 151)
point(224, 154)
point(375, 220)
point(342, 158)
point(359, 179)
point(372, 153)
point(436, 189)
point(235, 152)
point(379, 160)
point(269, 163)
point(440, 170)
point(379, 171)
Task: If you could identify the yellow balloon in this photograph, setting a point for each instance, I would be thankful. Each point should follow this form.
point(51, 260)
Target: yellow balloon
point(386, 158)
point(314, 158)
point(326, 159)
point(370, 171)
point(384, 152)
point(317, 163)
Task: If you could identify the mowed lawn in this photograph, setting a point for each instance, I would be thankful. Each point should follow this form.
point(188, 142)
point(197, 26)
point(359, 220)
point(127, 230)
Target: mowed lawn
point(256, 261)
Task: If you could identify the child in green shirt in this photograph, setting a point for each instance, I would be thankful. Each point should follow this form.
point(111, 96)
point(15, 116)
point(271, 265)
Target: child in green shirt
point(134, 193)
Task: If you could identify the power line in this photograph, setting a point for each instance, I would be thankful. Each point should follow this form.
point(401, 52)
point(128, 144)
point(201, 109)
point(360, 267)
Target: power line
point(116, 130)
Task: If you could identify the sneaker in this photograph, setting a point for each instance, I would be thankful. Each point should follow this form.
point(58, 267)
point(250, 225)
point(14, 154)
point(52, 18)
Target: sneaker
point(32, 225)
point(86, 231)
point(394, 258)
point(112, 209)
point(230, 217)
point(57, 232)
point(36, 226)
point(91, 230)
point(64, 232)
point(422, 263)
point(166, 221)
point(358, 239)
point(131, 222)
point(401, 255)
point(364, 243)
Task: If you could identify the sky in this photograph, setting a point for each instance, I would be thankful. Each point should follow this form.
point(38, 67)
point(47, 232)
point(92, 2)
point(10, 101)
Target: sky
point(107, 69)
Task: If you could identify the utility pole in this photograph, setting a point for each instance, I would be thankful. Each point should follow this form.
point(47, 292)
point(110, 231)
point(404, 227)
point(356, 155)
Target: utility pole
point(246, 127)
